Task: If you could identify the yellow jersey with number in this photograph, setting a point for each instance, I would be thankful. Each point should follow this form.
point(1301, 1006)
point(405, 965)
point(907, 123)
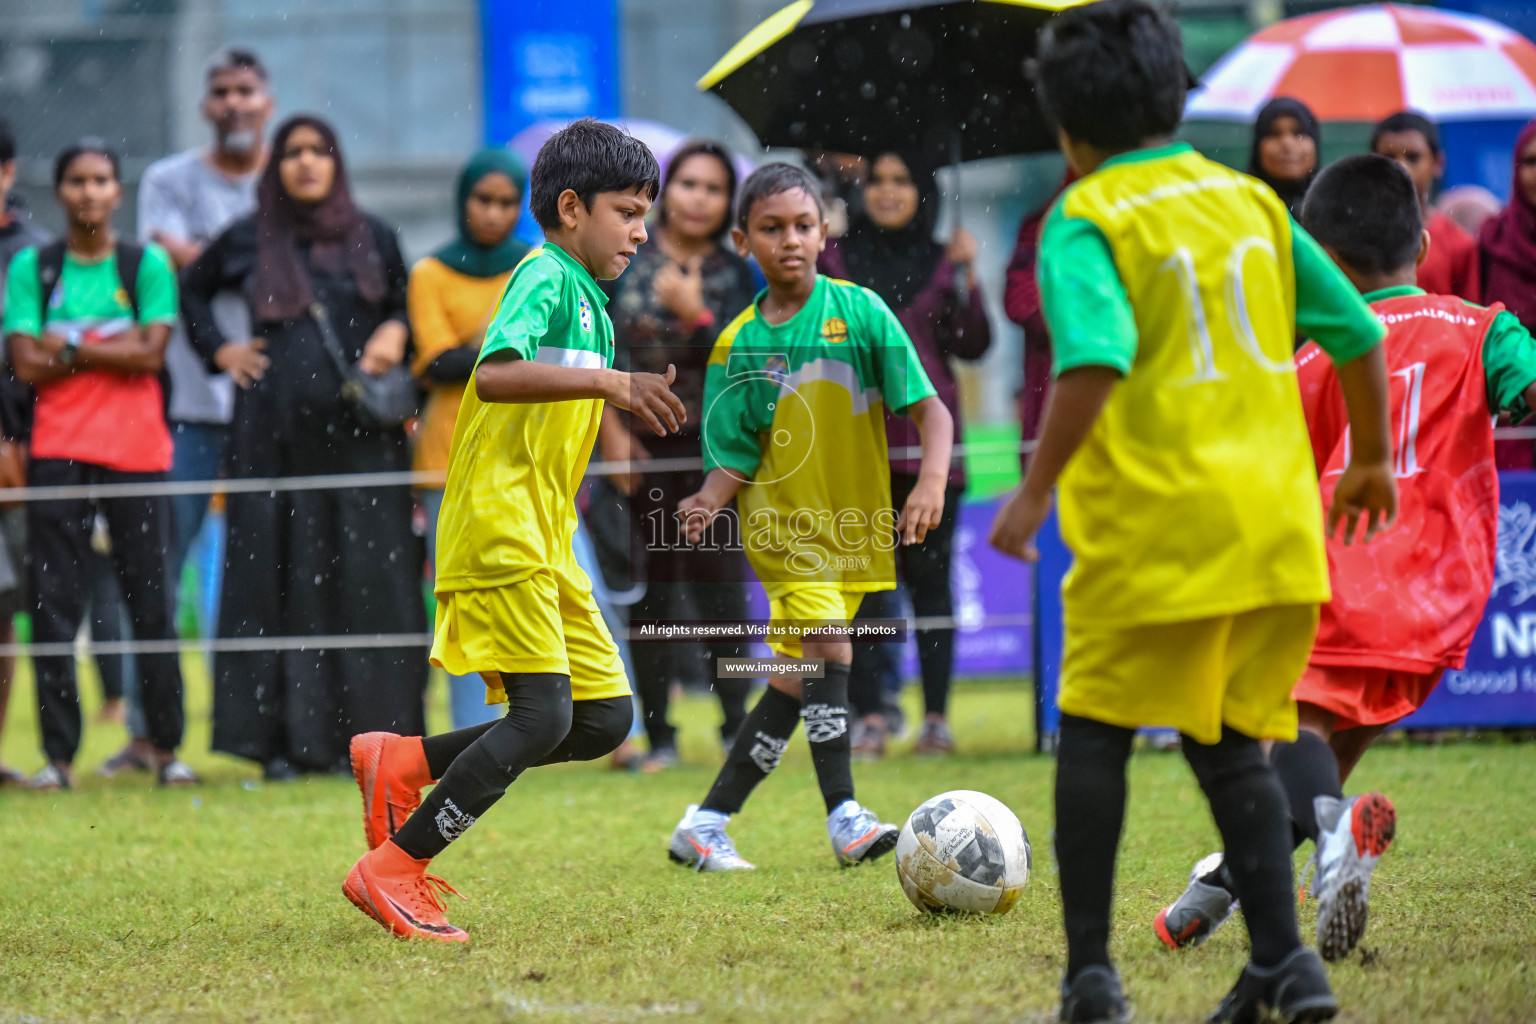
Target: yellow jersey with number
point(1194, 494)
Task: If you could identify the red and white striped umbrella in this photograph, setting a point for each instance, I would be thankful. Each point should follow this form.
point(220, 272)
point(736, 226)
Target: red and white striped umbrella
point(1363, 63)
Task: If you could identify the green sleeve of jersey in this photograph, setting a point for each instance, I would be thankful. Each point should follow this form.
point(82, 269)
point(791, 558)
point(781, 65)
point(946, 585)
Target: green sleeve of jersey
point(1084, 301)
point(902, 377)
point(526, 312)
point(23, 299)
point(159, 302)
point(1328, 308)
point(730, 437)
point(1509, 364)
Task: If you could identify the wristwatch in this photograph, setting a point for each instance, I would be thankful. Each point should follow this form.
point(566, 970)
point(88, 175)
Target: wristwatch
point(71, 350)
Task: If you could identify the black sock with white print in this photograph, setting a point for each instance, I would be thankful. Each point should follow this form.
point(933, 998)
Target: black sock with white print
point(825, 710)
point(756, 752)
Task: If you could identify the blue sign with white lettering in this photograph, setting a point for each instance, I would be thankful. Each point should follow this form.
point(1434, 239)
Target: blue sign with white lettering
point(1497, 688)
point(545, 59)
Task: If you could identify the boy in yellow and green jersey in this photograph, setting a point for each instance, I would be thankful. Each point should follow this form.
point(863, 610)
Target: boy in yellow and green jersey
point(513, 604)
point(794, 428)
point(1174, 288)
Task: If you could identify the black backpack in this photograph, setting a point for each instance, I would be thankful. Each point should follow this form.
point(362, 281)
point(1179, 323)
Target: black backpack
point(16, 396)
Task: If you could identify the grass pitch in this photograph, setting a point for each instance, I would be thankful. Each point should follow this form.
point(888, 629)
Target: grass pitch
point(224, 904)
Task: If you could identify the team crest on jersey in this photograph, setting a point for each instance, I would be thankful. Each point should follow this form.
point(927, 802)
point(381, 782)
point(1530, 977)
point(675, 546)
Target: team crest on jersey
point(777, 369)
point(121, 296)
point(835, 330)
point(584, 314)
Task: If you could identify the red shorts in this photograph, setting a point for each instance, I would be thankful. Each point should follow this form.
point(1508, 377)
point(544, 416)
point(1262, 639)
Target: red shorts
point(1364, 695)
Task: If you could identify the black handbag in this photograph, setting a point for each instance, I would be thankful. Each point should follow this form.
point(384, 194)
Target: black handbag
point(380, 402)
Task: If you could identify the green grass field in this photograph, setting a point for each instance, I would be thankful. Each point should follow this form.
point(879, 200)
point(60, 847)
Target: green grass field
point(224, 904)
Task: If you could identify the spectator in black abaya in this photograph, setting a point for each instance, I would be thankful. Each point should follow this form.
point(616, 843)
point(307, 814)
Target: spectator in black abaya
point(681, 290)
point(314, 562)
point(1285, 153)
point(931, 287)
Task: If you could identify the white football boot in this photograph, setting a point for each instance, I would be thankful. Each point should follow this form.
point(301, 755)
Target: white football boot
point(857, 835)
point(700, 842)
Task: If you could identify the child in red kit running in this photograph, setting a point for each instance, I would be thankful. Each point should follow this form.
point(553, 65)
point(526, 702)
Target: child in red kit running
point(1405, 608)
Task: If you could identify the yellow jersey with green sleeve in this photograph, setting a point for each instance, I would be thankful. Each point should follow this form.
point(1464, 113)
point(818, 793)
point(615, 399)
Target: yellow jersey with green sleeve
point(798, 409)
point(1194, 494)
point(509, 506)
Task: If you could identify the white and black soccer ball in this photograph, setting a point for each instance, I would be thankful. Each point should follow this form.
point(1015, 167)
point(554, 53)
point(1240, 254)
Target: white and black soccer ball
point(963, 852)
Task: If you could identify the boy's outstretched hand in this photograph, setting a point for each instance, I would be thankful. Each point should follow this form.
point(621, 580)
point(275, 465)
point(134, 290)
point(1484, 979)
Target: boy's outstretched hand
point(1365, 489)
point(695, 513)
point(1017, 522)
point(698, 510)
point(649, 396)
point(922, 512)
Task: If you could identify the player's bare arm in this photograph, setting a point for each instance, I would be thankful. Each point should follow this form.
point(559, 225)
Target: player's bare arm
point(696, 511)
point(647, 395)
point(1366, 488)
point(925, 505)
point(1076, 399)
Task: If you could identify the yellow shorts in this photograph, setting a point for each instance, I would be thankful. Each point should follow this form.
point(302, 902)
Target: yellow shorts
point(1236, 670)
point(535, 625)
point(809, 605)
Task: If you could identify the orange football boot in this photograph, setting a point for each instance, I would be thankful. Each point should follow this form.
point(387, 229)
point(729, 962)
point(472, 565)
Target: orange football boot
point(393, 888)
point(391, 771)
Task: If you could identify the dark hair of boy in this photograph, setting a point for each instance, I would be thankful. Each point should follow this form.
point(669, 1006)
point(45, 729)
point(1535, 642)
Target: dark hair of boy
point(7, 142)
point(92, 145)
point(1112, 74)
point(770, 180)
point(235, 58)
point(1408, 121)
point(1366, 210)
point(588, 157)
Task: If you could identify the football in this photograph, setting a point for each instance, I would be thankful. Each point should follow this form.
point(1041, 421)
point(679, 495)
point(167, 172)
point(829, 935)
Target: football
point(963, 852)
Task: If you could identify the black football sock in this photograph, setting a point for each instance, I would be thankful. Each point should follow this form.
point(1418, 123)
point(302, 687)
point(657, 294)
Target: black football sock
point(1090, 810)
point(825, 710)
point(538, 719)
point(756, 752)
point(1250, 809)
point(440, 750)
point(1307, 768)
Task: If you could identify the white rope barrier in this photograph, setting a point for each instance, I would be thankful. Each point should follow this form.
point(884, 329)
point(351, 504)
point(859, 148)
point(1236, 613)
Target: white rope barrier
point(404, 478)
point(83, 648)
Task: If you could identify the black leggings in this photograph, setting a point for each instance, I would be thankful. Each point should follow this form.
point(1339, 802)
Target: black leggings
point(473, 767)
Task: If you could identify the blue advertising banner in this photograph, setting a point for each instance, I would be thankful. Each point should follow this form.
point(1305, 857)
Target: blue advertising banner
point(1496, 689)
point(547, 59)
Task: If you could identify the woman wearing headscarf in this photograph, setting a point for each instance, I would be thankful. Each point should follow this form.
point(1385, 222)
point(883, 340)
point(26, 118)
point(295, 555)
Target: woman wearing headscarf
point(889, 248)
point(1286, 145)
point(310, 562)
point(681, 289)
point(451, 296)
point(1508, 249)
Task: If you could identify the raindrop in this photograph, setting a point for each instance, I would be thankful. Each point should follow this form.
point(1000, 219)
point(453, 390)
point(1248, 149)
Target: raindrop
point(867, 90)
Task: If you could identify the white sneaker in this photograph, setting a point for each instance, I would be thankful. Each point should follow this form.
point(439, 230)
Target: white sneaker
point(1352, 835)
point(858, 835)
point(700, 842)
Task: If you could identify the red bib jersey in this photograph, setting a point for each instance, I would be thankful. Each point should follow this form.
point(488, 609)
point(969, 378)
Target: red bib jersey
point(1411, 600)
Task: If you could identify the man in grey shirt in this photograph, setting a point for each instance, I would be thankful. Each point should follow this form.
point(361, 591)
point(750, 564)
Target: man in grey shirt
point(185, 201)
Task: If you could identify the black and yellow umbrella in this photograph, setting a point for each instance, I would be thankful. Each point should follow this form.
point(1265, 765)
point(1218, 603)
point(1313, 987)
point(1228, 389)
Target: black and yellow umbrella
point(941, 77)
